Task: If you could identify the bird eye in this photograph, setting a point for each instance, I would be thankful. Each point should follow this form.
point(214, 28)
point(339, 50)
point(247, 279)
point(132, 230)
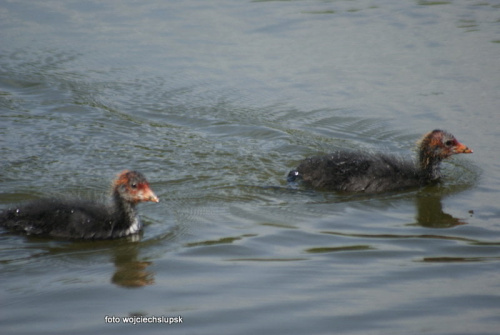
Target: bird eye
point(448, 143)
point(133, 185)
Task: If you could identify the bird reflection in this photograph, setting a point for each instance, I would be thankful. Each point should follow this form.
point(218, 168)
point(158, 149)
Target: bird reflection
point(430, 213)
point(131, 272)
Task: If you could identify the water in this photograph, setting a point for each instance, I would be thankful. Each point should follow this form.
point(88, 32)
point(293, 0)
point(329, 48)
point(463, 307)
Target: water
point(215, 102)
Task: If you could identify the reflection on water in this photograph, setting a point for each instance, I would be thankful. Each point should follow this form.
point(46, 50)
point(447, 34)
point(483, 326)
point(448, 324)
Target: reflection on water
point(430, 213)
point(131, 272)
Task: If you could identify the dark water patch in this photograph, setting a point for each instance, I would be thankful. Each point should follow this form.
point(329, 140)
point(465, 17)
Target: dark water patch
point(433, 3)
point(445, 259)
point(321, 250)
point(224, 240)
point(284, 226)
point(425, 236)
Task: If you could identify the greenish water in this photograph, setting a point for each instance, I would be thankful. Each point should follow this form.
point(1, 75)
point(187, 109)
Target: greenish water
point(215, 102)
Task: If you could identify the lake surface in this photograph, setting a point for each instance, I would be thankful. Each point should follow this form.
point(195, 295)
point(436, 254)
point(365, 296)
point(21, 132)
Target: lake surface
point(215, 101)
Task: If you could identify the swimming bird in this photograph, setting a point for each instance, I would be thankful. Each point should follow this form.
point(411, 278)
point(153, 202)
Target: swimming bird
point(353, 171)
point(82, 219)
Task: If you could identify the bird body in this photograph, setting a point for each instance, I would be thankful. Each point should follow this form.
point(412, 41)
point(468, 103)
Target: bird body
point(79, 219)
point(353, 171)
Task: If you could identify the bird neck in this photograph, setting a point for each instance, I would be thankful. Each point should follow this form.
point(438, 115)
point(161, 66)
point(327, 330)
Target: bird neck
point(430, 164)
point(124, 211)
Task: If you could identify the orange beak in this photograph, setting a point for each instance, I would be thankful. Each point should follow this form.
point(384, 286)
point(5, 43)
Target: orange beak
point(459, 148)
point(146, 194)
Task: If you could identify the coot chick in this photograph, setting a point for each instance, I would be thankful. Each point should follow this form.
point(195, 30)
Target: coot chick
point(77, 219)
point(371, 173)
